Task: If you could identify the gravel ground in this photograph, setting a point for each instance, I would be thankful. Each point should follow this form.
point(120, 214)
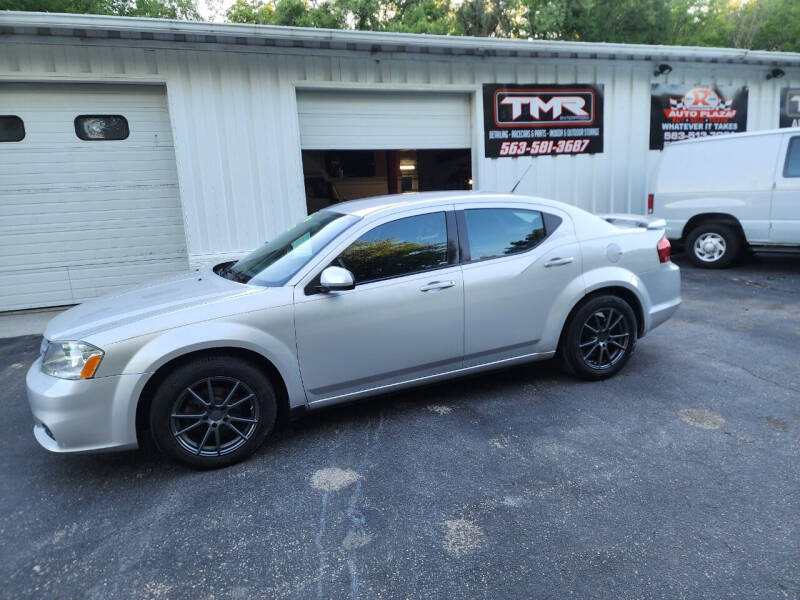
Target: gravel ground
point(680, 478)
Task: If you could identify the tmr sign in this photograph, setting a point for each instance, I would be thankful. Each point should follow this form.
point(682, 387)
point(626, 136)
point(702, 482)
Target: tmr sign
point(535, 120)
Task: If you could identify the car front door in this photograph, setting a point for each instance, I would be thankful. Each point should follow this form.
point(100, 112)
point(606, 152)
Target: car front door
point(785, 211)
point(404, 320)
point(518, 261)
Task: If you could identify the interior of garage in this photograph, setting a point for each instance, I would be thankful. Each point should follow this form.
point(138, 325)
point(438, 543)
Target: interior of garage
point(333, 176)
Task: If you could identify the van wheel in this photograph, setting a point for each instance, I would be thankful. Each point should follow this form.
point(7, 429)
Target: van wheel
point(599, 338)
point(213, 412)
point(713, 246)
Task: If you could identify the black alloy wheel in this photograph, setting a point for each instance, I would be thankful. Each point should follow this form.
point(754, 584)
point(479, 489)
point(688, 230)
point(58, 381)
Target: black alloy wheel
point(213, 411)
point(599, 337)
point(215, 416)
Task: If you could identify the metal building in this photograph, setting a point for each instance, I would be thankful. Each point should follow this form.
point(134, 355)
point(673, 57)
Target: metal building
point(131, 148)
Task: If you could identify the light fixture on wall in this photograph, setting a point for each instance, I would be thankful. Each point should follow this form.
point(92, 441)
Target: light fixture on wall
point(407, 167)
point(775, 74)
point(662, 69)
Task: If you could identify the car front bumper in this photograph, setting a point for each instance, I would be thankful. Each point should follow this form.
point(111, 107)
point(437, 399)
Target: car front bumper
point(87, 415)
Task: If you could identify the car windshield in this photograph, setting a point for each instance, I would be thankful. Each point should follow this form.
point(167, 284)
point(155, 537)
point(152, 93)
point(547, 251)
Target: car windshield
point(277, 260)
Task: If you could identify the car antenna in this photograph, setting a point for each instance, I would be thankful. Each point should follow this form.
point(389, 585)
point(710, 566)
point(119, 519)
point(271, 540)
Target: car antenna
point(513, 189)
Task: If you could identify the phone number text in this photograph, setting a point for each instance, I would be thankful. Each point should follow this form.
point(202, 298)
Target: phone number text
point(543, 147)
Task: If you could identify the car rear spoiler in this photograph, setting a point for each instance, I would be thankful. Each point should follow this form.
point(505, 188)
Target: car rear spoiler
point(635, 221)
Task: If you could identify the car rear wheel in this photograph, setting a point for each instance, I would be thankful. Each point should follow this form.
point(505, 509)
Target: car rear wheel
point(213, 412)
point(599, 338)
point(713, 246)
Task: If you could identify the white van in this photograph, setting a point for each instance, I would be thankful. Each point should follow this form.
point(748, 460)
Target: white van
point(721, 195)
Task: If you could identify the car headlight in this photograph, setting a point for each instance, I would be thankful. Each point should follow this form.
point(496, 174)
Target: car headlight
point(71, 360)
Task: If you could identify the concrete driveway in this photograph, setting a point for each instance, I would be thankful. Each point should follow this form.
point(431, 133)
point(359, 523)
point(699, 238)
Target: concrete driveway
point(678, 479)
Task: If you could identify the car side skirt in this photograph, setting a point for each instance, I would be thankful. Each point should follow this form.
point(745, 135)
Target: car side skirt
point(535, 356)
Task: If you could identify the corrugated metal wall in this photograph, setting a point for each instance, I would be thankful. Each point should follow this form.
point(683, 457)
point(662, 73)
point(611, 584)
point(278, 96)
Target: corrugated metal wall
point(237, 144)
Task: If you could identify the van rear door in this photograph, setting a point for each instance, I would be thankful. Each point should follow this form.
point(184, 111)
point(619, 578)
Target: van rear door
point(785, 210)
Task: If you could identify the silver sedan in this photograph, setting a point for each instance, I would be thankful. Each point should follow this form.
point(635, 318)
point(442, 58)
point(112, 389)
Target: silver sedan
point(362, 298)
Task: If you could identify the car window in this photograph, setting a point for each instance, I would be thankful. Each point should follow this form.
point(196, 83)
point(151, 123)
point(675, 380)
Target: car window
point(494, 232)
point(400, 247)
point(792, 166)
point(277, 260)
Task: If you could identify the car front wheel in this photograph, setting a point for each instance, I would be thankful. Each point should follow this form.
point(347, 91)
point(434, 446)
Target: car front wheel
point(213, 412)
point(599, 338)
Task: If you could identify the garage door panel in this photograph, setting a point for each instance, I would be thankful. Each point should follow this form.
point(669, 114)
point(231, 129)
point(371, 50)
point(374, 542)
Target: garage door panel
point(76, 220)
point(34, 289)
point(88, 282)
point(79, 218)
point(52, 203)
point(46, 161)
point(70, 248)
point(95, 233)
point(356, 120)
point(88, 177)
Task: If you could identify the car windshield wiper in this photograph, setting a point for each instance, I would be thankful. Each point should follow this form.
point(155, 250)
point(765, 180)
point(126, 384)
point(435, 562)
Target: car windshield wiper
point(227, 272)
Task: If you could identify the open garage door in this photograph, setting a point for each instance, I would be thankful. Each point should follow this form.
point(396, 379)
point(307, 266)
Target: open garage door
point(361, 143)
point(88, 193)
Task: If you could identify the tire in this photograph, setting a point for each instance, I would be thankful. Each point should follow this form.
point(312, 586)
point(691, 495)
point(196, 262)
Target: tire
point(218, 434)
point(713, 246)
point(589, 351)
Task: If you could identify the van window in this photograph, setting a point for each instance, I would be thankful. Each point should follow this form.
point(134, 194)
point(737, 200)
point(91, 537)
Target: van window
point(792, 166)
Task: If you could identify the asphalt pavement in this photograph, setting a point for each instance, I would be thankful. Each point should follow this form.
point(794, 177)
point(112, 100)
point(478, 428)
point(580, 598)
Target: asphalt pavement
point(679, 478)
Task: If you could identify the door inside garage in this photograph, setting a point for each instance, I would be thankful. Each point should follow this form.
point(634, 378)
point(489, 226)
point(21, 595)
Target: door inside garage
point(360, 143)
point(88, 192)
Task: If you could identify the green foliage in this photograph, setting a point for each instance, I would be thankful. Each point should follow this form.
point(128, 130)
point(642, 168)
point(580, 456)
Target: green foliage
point(424, 16)
point(756, 24)
point(165, 9)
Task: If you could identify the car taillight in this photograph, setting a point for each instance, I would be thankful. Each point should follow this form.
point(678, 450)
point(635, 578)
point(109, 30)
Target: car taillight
point(664, 248)
point(649, 204)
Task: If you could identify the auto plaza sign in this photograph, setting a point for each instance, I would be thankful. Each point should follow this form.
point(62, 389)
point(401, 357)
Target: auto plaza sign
point(540, 120)
point(790, 107)
point(681, 112)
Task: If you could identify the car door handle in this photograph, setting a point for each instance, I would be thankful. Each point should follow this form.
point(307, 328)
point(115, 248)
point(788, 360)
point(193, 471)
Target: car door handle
point(437, 285)
point(557, 262)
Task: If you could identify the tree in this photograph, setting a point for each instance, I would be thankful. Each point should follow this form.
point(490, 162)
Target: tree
point(475, 18)
point(243, 11)
point(424, 16)
point(296, 13)
point(166, 9)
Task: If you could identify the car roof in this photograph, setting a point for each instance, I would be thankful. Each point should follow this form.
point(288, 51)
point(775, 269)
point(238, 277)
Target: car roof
point(369, 206)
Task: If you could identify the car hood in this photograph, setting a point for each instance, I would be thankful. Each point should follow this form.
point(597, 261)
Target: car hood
point(147, 305)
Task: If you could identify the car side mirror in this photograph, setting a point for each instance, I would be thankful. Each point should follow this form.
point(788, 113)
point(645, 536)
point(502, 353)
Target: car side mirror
point(335, 279)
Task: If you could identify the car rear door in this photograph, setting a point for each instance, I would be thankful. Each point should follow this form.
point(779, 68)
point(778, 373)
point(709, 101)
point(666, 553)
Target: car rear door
point(785, 210)
point(518, 259)
point(405, 318)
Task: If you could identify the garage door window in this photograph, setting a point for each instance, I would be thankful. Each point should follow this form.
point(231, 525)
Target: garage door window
point(101, 127)
point(495, 232)
point(398, 248)
point(12, 129)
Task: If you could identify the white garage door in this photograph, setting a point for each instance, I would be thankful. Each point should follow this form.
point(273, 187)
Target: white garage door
point(79, 218)
point(356, 120)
